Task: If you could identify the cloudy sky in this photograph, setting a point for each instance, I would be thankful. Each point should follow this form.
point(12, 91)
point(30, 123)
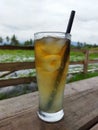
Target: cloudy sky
point(25, 17)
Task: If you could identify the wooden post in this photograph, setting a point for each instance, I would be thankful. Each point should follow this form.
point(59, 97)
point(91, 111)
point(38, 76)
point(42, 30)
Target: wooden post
point(85, 68)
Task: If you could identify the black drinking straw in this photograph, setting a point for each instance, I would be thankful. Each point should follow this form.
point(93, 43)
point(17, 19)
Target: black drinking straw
point(64, 60)
point(70, 21)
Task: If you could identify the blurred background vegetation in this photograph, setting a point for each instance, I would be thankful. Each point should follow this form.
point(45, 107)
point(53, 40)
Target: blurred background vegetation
point(13, 40)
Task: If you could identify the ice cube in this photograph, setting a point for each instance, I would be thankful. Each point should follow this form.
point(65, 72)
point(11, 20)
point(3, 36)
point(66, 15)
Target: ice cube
point(61, 42)
point(49, 39)
point(51, 62)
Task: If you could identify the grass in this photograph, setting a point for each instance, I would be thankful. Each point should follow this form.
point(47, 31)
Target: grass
point(3, 96)
point(76, 56)
point(28, 55)
point(93, 56)
point(16, 55)
point(81, 76)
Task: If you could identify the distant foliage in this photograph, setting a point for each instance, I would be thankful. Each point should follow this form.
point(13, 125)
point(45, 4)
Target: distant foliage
point(84, 45)
point(29, 42)
point(13, 40)
point(7, 39)
point(1, 40)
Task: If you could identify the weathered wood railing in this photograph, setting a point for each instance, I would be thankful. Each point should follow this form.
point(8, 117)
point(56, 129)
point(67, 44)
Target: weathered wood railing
point(86, 60)
point(12, 67)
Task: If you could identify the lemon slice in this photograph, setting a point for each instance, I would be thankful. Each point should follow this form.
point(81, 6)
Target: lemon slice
point(51, 62)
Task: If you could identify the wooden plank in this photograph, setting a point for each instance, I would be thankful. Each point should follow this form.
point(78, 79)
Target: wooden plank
point(22, 114)
point(78, 50)
point(76, 62)
point(93, 61)
point(13, 66)
point(95, 127)
point(90, 124)
point(10, 47)
point(85, 68)
point(93, 51)
point(80, 108)
point(29, 65)
point(16, 81)
point(5, 74)
point(6, 127)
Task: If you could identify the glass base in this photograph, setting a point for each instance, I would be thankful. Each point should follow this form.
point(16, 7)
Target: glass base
point(50, 117)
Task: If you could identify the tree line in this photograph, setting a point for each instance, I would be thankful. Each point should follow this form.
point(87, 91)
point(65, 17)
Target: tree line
point(84, 45)
point(14, 41)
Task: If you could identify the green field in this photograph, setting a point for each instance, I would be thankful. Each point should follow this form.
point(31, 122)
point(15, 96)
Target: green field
point(16, 55)
point(81, 76)
point(77, 56)
point(28, 55)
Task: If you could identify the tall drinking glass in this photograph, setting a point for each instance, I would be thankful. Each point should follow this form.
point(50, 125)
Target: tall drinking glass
point(52, 50)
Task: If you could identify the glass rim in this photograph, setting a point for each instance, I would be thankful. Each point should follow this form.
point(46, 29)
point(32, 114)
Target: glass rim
point(51, 32)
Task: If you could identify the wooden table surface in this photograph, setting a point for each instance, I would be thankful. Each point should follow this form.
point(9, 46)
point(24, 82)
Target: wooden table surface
point(81, 111)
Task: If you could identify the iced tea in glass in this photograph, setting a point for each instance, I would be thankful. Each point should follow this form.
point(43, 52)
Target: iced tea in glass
point(52, 50)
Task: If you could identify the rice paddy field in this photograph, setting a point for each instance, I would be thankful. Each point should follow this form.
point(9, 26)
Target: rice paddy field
point(28, 55)
point(16, 56)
